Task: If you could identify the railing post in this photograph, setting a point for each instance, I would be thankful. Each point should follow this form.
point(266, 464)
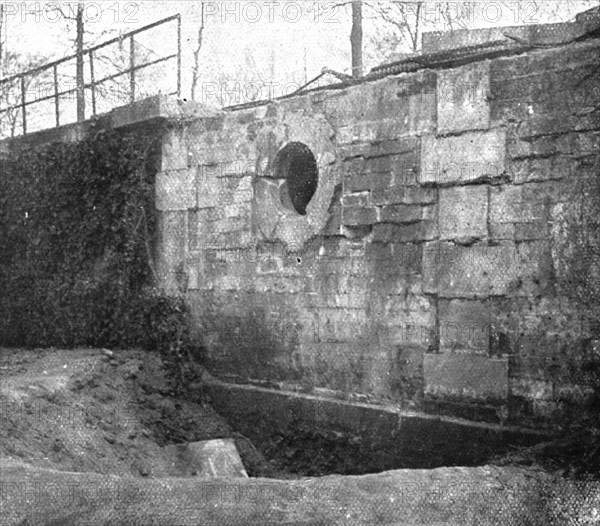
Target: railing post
point(56, 100)
point(131, 69)
point(93, 82)
point(178, 56)
point(23, 105)
point(81, 86)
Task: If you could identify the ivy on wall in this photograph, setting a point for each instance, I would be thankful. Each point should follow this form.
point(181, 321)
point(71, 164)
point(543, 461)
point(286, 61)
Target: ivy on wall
point(76, 236)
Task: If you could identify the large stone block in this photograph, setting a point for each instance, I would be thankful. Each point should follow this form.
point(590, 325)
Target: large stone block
point(172, 246)
point(483, 270)
point(462, 158)
point(402, 194)
point(465, 376)
point(464, 325)
point(208, 183)
point(473, 271)
point(401, 214)
point(463, 212)
point(391, 233)
point(356, 199)
point(174, 151)
point(506, 207)
point(360, 182)
point(580, 143)
point(462, 98)
point(359, 215)
point(392, 107)
point(176, 189)
point(523, 211)
point(535, 170)
point(381, 148)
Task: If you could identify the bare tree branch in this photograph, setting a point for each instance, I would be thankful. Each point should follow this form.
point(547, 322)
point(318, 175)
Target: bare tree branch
point(196, 66)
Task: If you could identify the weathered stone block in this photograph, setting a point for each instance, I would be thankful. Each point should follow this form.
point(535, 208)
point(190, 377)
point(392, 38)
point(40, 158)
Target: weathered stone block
point(408, 255)
point(383, 147)
point(462, 98)
point(388, 196)
point(358, 215)
point(560, 58)
point(464, 325)
point(388, 109)
point(463, 212)
point(401, 214)
point(334, 223)
point(478, 270)
point(176, 189)
point(522, 212)
point(172, 243)
point(193, 230)
point(531, 389)
point(422, 114)
point(465, 376)
point(356, 199)
point(532, 231)
point(487, 269)
point(462, 158)
point(533, 170)
point(550, 145)
point(174, 151)
point(391, 233)
point(362, 182)
point(422, 196)
point(193, 277)
point(398, 194)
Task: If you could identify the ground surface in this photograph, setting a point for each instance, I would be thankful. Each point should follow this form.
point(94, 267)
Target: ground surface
point(81, 438)
point(81, 410)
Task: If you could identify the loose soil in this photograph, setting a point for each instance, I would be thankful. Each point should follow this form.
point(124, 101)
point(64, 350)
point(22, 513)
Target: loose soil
point(92, 410)
point(85, 418)
point(106, 412)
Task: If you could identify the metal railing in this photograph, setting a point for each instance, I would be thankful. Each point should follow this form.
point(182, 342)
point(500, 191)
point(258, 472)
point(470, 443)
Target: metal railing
point(19, 84)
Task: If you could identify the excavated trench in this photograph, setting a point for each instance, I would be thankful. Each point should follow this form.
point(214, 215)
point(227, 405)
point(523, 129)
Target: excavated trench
point(85, 411)
point(303, 435)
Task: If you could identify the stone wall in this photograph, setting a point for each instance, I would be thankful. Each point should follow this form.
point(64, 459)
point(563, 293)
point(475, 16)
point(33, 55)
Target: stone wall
point(441, 264)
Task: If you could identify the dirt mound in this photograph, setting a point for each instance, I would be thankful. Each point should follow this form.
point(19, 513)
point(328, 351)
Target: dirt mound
point(82, 434)
point(456, 496)
point(96, 411)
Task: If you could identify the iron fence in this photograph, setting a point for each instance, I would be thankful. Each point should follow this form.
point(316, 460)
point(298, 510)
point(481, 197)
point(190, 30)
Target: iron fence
point(19, 94)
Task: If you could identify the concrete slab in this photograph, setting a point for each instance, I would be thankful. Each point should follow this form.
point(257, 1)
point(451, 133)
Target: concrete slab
point(160, 107)
point(217, 458)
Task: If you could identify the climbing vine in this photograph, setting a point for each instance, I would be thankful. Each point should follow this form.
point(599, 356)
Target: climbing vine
point(76, 236)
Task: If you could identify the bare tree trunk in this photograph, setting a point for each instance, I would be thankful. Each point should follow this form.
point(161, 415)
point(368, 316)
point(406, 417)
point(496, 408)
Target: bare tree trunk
point(2, 33)
point(80, 89)
point(356, 37)
point(196, 68)
point(415, 38)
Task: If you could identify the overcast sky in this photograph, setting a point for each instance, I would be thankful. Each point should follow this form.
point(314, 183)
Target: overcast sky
point(278, 43)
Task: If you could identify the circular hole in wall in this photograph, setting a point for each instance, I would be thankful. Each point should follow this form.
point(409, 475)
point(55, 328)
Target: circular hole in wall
point(296, 164)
